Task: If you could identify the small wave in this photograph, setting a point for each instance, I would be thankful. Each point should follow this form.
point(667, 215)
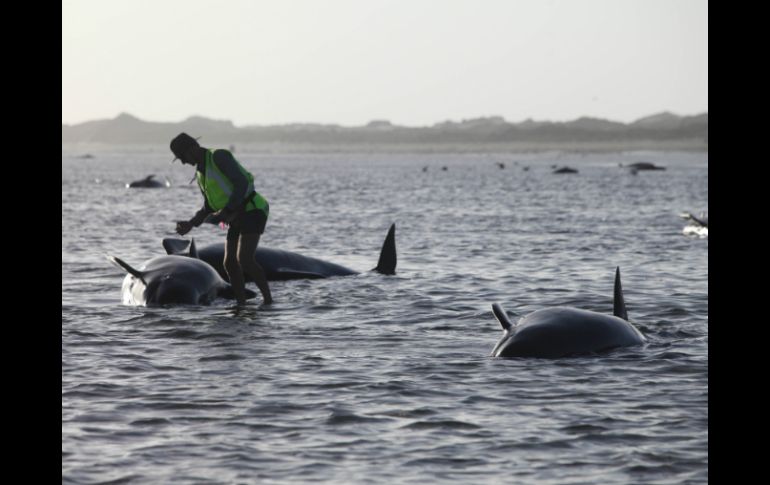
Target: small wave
point(583, 429)
point(410, 413)
point(222, 357)
point(338, 418)
point(446, 462)
point(150, 422)
point(445, 424)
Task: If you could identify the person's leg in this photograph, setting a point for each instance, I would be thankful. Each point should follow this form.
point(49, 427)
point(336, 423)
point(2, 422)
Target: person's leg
point(232, 267)
point(247, 246)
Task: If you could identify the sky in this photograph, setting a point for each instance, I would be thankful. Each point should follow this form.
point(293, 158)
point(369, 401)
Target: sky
point(412, 62)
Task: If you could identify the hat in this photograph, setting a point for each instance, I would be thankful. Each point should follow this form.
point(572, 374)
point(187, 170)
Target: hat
point(181, 144)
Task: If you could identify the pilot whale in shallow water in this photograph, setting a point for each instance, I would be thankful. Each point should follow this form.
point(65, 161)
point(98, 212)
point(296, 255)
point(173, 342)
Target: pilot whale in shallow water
point(148, 182)
point(282, 265)
point(176, 279)
point(565, 170)
point(699, 225)
point(565, 331)
point(644, 166)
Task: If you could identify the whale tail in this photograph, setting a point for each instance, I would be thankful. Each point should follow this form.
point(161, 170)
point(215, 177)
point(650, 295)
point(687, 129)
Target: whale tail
point(700, 221)
point(125, 266)
point(501, 316)
point(618, 303)
point(387, 261)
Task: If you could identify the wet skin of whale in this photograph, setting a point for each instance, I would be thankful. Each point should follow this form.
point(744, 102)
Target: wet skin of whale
point(280, 265)
point(173, 280)
point(148, 183)
point(565, 331)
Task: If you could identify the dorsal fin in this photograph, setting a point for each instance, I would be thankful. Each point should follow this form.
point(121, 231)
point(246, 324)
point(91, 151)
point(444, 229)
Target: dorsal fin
point(175, 246)
point(387, 261)
point(501, 316)
point(123, 265)
point(618, 303)
point(149, 177)
point(193, 250)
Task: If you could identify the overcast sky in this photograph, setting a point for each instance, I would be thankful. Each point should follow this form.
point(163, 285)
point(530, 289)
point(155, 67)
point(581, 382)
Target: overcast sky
point(413, 62)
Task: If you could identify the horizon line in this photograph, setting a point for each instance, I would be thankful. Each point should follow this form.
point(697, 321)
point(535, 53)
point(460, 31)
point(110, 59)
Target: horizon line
point(380, 120)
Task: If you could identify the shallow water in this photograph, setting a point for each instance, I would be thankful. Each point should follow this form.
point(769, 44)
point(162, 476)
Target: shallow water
point(381, 379)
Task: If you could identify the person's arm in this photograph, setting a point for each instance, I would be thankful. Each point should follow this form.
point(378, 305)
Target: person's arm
point(227, 165)
point(199, 216)
point(183, 227)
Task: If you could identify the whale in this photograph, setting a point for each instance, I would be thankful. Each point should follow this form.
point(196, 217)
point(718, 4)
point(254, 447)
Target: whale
point(699, 226)
point(148, 183)
point(644, 166)
point(702, 221)
point(565, 170)
point(173, 280)
point(281, 265)
point(565, 331)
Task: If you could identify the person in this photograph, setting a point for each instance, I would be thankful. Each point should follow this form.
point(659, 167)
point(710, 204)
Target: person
point(228, 193)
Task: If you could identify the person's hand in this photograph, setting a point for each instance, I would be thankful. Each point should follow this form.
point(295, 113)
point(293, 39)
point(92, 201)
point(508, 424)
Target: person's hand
point(183, 227)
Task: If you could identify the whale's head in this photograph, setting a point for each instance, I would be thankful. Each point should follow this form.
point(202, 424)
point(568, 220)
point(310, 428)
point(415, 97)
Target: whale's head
point(171, 289)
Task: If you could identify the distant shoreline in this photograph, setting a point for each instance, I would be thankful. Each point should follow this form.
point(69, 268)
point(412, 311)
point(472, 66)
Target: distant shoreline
point(660, 132)
point(693, 145)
